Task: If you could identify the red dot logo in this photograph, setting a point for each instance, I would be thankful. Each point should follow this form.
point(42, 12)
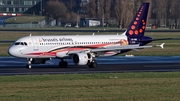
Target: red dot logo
point(130, 32)
point(135, 22)
point(144, 23)
point(133, 27)
point(140, 30)
point(143, 27)
point(136, 32)
point(137, 18)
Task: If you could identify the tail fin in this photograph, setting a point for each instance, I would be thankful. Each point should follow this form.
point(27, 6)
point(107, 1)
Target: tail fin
point(137, 26)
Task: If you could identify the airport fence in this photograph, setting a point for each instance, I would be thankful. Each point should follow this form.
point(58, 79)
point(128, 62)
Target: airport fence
point(21, 26)
point(28, 25)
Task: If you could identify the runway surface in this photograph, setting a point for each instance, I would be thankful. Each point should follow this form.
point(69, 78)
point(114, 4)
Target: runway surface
point(16, 66)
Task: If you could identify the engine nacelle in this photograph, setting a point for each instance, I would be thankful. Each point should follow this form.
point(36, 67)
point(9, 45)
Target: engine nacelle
point(82, 58)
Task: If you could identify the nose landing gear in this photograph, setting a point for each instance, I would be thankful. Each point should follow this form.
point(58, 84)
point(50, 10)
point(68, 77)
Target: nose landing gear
point(29, 63)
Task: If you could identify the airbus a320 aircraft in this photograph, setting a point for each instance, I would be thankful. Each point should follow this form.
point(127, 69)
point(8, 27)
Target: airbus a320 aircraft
point(83, 49)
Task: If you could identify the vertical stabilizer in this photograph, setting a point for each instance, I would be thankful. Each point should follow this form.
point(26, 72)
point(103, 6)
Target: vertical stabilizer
point(135, 30)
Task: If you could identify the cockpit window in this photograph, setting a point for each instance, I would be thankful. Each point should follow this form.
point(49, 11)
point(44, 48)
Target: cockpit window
point(21, 43)
point(25, 43)
point(17, 43)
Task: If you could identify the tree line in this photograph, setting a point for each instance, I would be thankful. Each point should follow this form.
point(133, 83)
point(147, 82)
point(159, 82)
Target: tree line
point(161, 12)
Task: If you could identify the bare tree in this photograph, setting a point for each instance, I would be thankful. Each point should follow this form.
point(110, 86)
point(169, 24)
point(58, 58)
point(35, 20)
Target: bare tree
point(56, 9)
point(118, 11)
point(71, 17)
point(100, 8)
point(127, 12)
point(69, 4)
point(107, 10)
point(90, 9)
point(162, 12)
point(175, 6)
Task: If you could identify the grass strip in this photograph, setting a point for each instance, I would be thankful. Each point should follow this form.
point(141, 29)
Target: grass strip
point(149, 86)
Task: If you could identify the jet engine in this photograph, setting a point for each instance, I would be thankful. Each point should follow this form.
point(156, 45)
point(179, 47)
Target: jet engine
point(82, 58)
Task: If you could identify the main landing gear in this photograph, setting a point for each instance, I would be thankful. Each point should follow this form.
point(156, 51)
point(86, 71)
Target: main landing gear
point(63, 64)
point(92, 64)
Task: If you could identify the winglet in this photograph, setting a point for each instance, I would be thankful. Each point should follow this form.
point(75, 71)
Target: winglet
point(162, 45)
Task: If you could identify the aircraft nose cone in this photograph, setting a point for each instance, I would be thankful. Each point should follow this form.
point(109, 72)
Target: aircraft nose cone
point(10, 51)
point(13, 52)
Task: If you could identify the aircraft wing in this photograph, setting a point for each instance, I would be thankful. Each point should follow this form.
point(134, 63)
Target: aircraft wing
point(115, 48)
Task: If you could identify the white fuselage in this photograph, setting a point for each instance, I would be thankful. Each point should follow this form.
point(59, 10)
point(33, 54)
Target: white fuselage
point(50, 46)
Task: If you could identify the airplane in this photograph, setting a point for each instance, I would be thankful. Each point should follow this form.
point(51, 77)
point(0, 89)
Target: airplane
point(83, 49)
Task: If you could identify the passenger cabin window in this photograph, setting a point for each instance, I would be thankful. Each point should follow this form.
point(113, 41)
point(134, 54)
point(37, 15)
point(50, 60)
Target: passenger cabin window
point(25, 43)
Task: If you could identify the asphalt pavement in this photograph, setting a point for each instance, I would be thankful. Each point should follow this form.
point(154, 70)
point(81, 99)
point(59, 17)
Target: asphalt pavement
point(117, 64)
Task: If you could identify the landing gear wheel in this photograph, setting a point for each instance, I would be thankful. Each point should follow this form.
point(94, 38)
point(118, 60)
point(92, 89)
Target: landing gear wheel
point(63, 64)
point(92, 65)
point(28, 66)
point(44, 61)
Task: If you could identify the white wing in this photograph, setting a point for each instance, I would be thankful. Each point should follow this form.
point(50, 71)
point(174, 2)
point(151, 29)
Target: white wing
point(115, 48)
